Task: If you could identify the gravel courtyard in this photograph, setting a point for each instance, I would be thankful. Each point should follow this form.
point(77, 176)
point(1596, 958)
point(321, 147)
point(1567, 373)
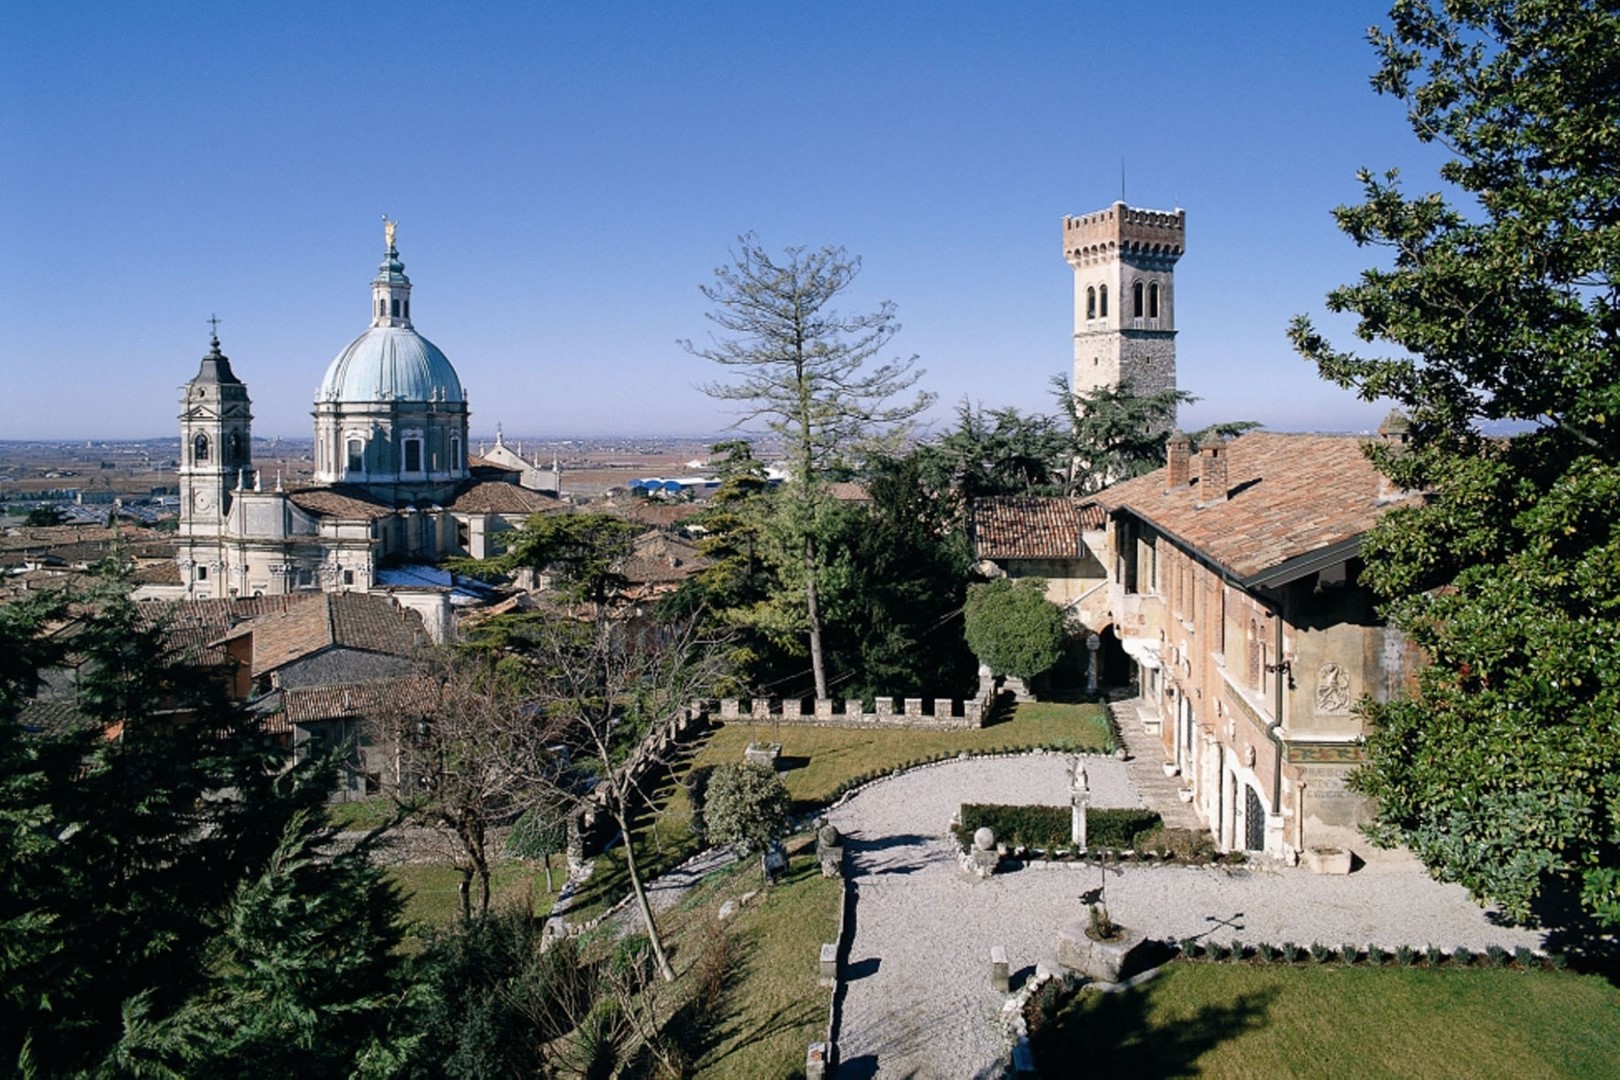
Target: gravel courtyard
point(918, 1001)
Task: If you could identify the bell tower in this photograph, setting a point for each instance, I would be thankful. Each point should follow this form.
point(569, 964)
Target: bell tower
point(216, 458)
point(1124, 261)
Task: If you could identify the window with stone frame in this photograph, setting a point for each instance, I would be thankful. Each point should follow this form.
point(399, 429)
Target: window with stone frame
point(413, 455)
point(1102, 301)
point(1091, 302)
point(357, 456)
point(1153, 300)
point(1255, 654)
point(1138, 300)
point(199, 449)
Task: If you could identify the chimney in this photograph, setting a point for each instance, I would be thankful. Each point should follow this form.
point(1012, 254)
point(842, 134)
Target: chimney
point(1178, 467)
point(1212, 483)
point(1394, 433)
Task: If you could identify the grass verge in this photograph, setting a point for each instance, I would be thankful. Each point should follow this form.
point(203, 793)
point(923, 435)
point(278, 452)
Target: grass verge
point(771, 1009)
point(1237, 1020)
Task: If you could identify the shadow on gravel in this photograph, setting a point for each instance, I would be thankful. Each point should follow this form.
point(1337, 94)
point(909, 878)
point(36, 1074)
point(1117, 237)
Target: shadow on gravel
point(1118, 1035)
point(885, 843)
point(1589, 946)
point(862, 969)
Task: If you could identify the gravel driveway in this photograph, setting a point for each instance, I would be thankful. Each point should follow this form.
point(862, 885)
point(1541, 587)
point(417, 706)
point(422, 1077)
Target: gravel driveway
point(918, 1001)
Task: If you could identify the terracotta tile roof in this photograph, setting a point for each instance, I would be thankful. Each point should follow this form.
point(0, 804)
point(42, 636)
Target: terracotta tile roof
point(364, 621)
point(1287, 496)
point(52, 718)
point(157, 573)
point(192, 627)
point(416, 695)
point(850, 491)
point(498, 497)
point(1093, 518)
point(1027, 527)
point(657, 558)
point(345, 501)
point(660, 515)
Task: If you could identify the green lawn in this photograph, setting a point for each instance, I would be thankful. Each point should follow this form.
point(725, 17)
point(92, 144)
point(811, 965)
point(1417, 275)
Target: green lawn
point(821, 759)
point(1238, 1020)
point(431, 897)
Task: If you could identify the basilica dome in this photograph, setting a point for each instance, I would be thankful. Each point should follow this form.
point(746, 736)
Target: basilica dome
point(390, 363)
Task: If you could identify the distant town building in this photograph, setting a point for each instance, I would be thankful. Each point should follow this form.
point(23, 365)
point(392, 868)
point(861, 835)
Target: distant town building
point(393, 480)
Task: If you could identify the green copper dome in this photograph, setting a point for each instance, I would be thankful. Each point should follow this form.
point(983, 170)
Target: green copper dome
point(390, 363)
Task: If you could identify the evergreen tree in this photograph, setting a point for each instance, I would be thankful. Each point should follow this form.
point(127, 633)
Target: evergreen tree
point(1499, 299)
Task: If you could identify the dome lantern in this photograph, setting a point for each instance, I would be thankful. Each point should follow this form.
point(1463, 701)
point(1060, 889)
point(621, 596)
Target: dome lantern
point(390, 289)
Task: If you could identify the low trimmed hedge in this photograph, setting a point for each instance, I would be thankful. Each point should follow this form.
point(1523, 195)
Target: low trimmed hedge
point(1047, 827)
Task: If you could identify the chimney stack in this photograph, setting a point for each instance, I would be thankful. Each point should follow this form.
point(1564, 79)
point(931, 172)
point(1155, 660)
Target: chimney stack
point(1395, 432)
point(1178, 467)
point(1212, 484)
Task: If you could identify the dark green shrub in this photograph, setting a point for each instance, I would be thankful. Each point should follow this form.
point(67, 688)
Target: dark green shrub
point(1405, 956)
point(1320, 953)
point(1118, 828)
point(1290, 952)
point(1433, 955)
point(1188, 845)
point(1524, 957)
point(1349, 954)
point(1498, 956)
point(1020, 826)
point(1462, 957)
point(1217, 951)
point(1267, 952)
point(1558, 960)
point(1376, 955)
point(1238, 950)
point(1189, 948)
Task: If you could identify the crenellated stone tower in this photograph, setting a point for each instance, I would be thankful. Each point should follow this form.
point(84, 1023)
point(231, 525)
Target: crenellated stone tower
point(1124, 261)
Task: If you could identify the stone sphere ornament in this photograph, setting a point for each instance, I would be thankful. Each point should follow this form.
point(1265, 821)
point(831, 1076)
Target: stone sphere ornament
point(984, 839)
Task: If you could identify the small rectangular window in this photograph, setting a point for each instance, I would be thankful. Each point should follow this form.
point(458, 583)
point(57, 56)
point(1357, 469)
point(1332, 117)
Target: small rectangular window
point(348, 577)
point(357, 456)
point(413, 455)
point(202, 573)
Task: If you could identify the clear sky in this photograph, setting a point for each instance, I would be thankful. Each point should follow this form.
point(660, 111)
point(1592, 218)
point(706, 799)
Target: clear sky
point(566, 175)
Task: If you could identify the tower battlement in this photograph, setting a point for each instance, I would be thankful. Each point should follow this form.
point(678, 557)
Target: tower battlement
point(1124, 230)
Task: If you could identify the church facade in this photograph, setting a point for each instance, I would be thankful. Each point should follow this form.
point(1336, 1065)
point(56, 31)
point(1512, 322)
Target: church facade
point(394, 482)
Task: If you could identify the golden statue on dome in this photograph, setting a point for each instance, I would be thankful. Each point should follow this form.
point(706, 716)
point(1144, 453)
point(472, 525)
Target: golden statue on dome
point(388, 230)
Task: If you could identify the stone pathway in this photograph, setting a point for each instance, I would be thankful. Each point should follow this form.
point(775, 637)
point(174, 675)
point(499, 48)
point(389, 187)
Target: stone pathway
point(1146, 767)
point(917, 998)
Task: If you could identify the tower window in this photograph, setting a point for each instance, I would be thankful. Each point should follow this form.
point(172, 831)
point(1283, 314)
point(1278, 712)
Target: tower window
point(1091, 303)
point(407, 307)
point(202, 573)
point(455, 453)
point(199, 449)
point(413, 455)
point(394, 305)
point(235, 446)
point(1137, 304)
point(382, 307)
point(1153, 300)
point(357, 456)
point(1102, 301)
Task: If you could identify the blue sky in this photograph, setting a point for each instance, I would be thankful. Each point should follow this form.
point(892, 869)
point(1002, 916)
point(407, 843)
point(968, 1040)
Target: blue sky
point(566, 176)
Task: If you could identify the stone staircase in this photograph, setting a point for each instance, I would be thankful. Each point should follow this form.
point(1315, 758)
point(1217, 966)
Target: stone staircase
point(1159, 792)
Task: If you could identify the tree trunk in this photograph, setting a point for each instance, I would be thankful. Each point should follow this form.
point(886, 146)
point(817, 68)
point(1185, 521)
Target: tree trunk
point(550, 888)
point(664, 970)
point(464, 890)
point(813, 617)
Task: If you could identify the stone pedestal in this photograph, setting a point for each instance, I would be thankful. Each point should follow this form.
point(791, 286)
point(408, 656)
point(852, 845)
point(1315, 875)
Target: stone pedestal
point(763, 754)
point(1099, 961)
point(1000, 971)
point(815, 1062)
point(1328, 860)
point(828, 972)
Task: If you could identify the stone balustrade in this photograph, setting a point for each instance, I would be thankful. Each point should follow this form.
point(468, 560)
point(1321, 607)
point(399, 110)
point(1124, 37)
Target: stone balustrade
point(887, 712)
